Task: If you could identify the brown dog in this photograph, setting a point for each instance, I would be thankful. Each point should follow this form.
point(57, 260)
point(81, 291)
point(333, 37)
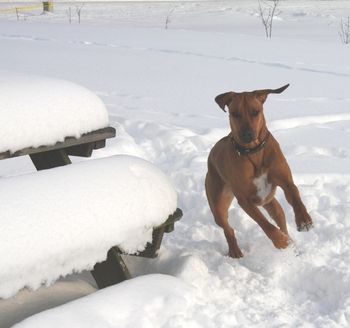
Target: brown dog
point(248, 164)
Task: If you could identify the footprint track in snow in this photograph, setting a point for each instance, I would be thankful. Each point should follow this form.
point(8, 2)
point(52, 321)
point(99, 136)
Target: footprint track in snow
point(181, 52)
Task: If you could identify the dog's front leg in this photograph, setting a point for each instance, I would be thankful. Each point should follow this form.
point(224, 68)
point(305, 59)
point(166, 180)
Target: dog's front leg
point(284, 179)
point(279, 238)
point(302, 217)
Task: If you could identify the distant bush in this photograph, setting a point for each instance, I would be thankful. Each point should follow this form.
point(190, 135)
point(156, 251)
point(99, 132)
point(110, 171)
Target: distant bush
point(345, 30)
point(267, 10)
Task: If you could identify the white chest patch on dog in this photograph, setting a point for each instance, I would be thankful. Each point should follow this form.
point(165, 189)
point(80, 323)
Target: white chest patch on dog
point(263, 188)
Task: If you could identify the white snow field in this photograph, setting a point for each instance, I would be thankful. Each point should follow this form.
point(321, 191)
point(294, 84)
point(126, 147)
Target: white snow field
point(159, 87)
point(40, 111)
point(56, 222)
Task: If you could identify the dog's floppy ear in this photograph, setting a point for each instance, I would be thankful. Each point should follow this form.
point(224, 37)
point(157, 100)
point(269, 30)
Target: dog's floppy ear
point(224, 99)
point(262, 94)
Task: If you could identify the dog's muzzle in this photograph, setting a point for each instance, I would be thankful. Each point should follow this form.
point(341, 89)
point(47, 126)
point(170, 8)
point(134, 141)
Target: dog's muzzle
point(247, 136)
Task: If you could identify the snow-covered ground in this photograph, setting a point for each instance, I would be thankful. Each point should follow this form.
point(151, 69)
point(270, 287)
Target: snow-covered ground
point(159, 87)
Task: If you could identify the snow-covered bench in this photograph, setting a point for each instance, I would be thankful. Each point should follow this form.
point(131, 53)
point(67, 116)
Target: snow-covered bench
point(65, 220)
point(50, 119)
point(56, 222)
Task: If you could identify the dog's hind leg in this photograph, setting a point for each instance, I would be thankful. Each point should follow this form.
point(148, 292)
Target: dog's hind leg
point(277, 214)
point(220, 198)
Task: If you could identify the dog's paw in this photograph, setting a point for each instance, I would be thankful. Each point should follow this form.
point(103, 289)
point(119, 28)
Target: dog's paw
point(280, 239)
point(235, 253)
point(303, 222)
point(305, 226)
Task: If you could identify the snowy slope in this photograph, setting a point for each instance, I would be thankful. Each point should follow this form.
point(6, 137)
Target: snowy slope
point(159, 86)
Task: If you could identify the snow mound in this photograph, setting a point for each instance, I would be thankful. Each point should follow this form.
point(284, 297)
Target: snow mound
point(38, 111)
point(60, 221)
point(147, 301)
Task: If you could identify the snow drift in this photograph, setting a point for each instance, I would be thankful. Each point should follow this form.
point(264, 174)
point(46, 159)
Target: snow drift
point(149, 301)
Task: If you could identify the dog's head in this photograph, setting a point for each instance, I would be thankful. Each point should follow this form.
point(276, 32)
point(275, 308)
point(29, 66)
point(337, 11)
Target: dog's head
point(246, 112)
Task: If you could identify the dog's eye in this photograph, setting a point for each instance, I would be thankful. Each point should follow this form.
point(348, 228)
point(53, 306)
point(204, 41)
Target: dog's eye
point(255, 113)
point(236, 115)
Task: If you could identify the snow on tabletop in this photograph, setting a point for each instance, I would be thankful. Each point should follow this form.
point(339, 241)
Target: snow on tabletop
point(38, 111)
point(60, 221)
point(147, 301)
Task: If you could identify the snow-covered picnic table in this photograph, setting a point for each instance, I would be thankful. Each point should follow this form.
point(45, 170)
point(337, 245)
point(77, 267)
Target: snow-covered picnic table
point(50, 119)
point(65, 220)
point(56, 222)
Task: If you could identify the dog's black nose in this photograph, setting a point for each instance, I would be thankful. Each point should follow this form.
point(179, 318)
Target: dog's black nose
point(247, 136)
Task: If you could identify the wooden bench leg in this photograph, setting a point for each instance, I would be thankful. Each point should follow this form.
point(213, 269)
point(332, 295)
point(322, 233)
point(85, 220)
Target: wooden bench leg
point(112, 271)
point(151, 250)
point(50, 159)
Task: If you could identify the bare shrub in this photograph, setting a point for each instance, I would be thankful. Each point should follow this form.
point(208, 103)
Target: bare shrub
point(167, 20)
point(69, 15)
point(78, 10)
point(267, 11)
point(344, 31)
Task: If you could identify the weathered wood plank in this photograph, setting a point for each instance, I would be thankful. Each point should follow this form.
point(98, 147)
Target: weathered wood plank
point(170, 222)
point(84, 150)
point(112, 271)
point(100, 144)
point(151, 250)
point(50, 159)
point(94, 136)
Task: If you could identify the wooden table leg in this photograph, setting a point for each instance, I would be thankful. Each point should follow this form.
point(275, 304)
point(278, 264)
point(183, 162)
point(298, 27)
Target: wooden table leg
point(112, 271)
point(151, 250)
point(50, 159)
